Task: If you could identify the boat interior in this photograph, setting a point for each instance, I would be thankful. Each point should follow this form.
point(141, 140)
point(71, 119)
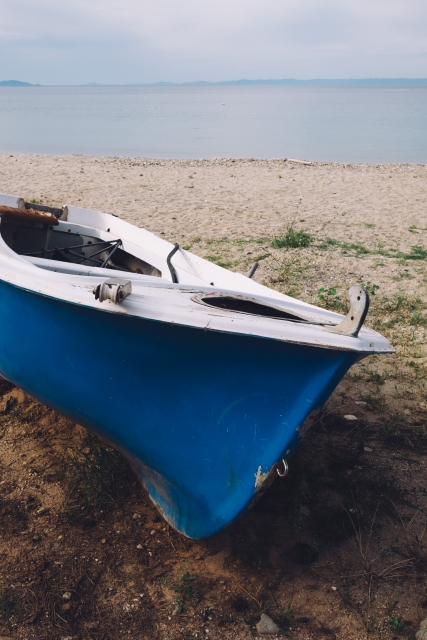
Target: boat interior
point(62, 247)
point(41, 242)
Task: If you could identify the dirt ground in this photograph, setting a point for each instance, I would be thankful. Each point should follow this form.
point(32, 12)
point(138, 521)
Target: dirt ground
point(336, 550)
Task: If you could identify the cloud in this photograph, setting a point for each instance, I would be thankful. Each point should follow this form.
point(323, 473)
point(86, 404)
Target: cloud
point(149, 40)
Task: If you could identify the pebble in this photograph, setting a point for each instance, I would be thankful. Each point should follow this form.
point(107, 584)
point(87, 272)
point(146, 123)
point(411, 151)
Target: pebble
point(422, 633)
point(36, 537)
point(66, 595)
point(361, 403)
point(267, 626)
point(139, 546)
point(368, 449)
point(152, 532)
point(350, 417)
point(333, 588)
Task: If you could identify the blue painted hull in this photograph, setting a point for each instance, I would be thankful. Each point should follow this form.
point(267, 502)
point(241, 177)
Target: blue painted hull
point(199, 413)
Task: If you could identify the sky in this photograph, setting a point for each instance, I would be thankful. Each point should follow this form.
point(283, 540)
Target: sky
point(131, 41)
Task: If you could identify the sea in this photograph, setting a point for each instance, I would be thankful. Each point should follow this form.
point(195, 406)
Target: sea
point(335, 123)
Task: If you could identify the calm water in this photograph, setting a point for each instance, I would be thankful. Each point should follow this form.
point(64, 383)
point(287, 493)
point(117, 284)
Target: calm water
point(344, 124)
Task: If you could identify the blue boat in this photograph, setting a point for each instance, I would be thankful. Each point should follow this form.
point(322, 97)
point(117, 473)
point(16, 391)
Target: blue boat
point(206, 380)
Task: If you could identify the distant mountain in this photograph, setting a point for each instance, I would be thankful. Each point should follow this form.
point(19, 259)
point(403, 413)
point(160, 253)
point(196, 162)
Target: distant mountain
point(288, 82)
point(293, 81)
point(17, 83)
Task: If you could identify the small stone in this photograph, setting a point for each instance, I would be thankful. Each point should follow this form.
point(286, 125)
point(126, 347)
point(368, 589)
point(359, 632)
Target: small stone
point(136, 516)
point(278, 175)
point(350, 417)
point(333, 588)
point(139, 546)
point(422, 633)
point(152, 532)
point(267, 626)
point(36, 537)
point(368, 449)
point(103, 541)
point(361, 403)
point(66, 595)
point(65, 606)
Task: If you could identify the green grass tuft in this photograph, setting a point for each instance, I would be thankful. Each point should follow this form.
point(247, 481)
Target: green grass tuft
point(292, 239)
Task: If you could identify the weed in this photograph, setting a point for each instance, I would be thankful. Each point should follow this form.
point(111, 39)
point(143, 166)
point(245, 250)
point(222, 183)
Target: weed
point(186, 585)
point(375, 399)
point(375, 377)
point(370, 287)
point(34, 201)
point(399, 310)
point(396, 624)
point(179, 604)
point(292, 239)
point(416, 253)
point(329, 299)
point(17, 413)
point(186, 589)
point(8, 604)
point(96, 475)
point(418, 320)
point(285, 615)
point(360, 249)
point(221, 263)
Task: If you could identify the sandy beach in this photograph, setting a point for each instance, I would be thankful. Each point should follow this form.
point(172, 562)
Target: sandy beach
point(199, 202)
point(337, 550)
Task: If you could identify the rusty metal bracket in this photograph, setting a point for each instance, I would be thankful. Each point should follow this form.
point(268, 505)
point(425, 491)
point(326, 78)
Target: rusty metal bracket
point(359, 306)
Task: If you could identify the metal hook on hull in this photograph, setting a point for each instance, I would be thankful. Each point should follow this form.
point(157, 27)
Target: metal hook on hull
point(285, 471)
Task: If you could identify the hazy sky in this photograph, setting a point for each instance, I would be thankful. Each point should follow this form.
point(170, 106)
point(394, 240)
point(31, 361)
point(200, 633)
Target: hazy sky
point(120, 41)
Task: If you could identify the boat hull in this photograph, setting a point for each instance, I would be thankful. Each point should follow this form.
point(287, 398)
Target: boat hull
point(202, 415)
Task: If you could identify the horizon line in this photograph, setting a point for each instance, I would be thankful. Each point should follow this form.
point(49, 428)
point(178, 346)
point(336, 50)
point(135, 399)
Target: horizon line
point(243, 81)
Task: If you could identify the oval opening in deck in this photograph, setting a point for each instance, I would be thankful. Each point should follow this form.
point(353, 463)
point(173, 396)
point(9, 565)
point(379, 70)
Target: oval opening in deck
point(243, 304)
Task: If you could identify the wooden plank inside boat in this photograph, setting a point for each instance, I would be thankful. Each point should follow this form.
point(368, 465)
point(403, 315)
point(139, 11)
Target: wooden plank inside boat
point(28, 215)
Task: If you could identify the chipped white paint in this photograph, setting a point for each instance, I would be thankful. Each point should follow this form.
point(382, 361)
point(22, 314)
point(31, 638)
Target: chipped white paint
point(260, 477)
